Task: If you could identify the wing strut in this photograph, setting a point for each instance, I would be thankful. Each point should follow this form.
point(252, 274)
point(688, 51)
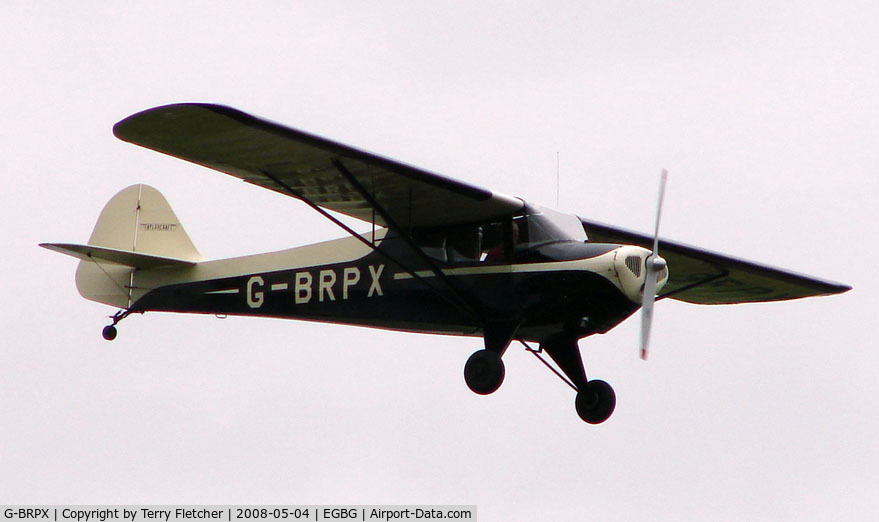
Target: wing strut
point(371, 244)
point(376, 206)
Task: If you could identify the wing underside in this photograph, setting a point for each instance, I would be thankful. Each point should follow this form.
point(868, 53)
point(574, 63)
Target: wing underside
point(700, 276)
point(325, 173)
point(389, 193)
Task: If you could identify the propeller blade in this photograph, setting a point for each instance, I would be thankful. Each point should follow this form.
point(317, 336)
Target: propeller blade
point(663, 177)
point(654, 264)
point(647, 309)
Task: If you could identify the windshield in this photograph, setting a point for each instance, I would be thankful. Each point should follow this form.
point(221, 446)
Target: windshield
point(543, 225)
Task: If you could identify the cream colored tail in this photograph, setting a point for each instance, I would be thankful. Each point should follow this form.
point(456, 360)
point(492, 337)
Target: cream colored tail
point(137, 230)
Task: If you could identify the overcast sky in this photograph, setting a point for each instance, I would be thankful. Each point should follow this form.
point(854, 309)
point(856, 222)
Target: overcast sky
point(765, 114)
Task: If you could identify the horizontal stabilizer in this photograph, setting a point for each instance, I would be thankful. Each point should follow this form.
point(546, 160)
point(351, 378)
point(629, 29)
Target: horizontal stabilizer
point(120, 257)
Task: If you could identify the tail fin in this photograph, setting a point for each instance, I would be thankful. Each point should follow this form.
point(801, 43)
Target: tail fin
point(136, 230)
point(139, 219)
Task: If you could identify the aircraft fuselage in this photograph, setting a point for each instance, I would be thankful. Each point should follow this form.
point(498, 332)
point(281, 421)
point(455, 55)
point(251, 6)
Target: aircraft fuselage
point(567, 285)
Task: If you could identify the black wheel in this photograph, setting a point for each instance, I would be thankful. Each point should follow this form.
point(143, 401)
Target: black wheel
point(484, 372)
point(595, 402)
point(109, 332)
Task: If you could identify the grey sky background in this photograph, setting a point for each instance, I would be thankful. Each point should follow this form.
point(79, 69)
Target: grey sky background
point(764, 113)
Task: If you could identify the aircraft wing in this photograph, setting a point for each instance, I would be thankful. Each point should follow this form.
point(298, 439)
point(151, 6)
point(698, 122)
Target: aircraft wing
point(328, 174)
point(700, 276)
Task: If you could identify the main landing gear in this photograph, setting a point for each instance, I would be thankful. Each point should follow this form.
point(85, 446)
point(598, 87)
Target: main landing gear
point(484, 372)
point(595, 400)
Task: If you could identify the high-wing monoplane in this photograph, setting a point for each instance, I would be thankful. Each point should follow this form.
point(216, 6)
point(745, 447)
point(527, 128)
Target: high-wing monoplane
point(442, 256)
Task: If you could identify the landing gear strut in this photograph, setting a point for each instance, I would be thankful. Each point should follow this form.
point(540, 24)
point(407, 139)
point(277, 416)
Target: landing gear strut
point(595, 400)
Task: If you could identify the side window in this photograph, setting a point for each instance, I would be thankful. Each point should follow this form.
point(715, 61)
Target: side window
point(520, 231)
point(488, 243)
point(432, 242)
point(492, 249)
point(463, 244)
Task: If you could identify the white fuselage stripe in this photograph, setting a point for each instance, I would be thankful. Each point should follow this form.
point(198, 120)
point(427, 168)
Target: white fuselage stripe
point(602, 265)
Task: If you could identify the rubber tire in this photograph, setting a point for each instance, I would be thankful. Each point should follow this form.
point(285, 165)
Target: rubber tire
point(109, 332)
point(484, 372)
point(595, 402)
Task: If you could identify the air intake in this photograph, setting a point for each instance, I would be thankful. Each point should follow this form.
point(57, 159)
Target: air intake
point(633, 263)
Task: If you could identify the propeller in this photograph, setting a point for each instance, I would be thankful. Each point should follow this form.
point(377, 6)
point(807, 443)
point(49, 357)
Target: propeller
point(655, 264)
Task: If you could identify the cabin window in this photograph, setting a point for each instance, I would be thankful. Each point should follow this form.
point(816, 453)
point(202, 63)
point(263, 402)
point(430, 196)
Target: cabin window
point(463, 244)
point(432, 241)
point(500, 241)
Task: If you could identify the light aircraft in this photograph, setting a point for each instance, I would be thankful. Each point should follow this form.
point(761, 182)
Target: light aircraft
point(442, 256)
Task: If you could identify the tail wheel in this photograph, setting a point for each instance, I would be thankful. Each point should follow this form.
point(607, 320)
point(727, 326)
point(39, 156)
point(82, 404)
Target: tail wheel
point(484, 372)
point(595, 401)
point(109, 332)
